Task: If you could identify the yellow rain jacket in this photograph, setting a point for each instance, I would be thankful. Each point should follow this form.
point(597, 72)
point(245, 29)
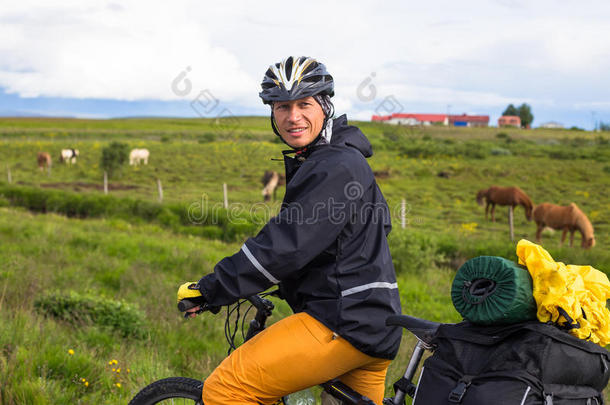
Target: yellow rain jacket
point(571, 296)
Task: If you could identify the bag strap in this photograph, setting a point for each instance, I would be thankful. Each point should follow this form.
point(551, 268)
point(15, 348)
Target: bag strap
point(457, 393)
point(570, 322)
point(405, 386)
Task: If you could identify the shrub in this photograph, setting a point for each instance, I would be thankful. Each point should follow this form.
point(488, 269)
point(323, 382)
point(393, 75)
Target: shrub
point(600, 140)
point(413, 252)
point(473, 150)
point(82, 310)
point(391, 134)
point(561, 154)
point(114, 157)
point(207, 137)
point(434, 147)
point(500, 152)
point(229, 226)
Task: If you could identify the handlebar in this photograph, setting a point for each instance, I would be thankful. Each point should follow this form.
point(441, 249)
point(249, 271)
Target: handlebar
point(261, 304)
point(188, 303)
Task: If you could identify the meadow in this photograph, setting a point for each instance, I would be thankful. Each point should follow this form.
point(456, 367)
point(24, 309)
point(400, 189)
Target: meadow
point(88, 281)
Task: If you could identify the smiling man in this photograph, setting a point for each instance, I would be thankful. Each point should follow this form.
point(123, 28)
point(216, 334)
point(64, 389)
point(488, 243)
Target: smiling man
point(332, 264)
point(299, 121)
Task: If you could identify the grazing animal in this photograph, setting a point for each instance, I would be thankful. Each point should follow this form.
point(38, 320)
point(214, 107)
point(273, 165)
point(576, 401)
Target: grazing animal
point(68, 155)
point(44, 161)
point(512, 196)
point(566, 218)
point(137, 156)
point(271, 180)
point(381, 174)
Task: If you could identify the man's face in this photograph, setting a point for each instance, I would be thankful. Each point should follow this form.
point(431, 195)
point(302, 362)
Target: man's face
point(299, 121)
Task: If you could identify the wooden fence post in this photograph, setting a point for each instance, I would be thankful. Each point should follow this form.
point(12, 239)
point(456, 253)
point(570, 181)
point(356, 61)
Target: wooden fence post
point(8, 174)
point(510, 223)
point(403, 213)
point(160, 189)
point(226, 198)
point(105, 182)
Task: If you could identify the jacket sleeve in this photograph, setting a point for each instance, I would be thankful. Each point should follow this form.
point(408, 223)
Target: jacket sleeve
point(318, 200)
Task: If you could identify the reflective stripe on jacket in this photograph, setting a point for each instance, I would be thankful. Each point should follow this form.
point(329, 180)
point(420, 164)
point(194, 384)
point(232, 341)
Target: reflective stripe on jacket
point(327, 247)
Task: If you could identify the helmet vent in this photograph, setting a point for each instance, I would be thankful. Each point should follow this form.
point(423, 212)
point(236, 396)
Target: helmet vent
point(271, 74)
point(288, 69)
point(295, 78)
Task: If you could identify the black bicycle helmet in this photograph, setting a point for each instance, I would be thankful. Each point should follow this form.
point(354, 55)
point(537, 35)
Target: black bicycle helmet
point(295, 78)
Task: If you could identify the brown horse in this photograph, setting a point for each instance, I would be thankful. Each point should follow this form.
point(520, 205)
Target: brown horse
point(566, 218)
point(271, 180)
point(44, 161)
point(512, 196)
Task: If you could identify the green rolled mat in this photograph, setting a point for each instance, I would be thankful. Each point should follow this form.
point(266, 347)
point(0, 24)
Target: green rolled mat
point(491, 290)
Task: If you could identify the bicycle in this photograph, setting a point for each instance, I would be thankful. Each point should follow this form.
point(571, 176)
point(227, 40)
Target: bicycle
point(189, 389)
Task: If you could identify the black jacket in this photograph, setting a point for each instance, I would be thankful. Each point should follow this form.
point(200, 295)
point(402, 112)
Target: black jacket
point(327, 248)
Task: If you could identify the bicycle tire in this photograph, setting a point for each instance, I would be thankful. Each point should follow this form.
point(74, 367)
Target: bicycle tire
point(170, 389)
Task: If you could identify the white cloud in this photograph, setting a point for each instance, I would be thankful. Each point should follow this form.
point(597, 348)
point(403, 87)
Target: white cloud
point(469, 55)
point(127, 52)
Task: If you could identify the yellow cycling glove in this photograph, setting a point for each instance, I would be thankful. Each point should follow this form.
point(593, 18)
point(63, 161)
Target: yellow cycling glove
point(189, 290)
point(189, 297)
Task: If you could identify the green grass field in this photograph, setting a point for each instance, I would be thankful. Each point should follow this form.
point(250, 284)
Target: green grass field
point(135, 265)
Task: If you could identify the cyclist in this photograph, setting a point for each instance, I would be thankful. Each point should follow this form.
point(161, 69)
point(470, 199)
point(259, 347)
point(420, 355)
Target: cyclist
point(327, 250)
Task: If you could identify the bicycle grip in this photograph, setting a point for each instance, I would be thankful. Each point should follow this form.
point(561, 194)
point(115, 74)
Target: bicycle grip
point(187, 304)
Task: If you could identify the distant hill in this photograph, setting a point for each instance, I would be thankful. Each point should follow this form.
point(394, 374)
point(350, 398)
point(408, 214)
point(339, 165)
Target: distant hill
point(18, 113)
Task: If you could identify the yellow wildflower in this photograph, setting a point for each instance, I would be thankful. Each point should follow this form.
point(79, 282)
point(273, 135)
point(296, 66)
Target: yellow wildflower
point(70, 352)
point(118, 385)
point(469, 227)
point(86, 383)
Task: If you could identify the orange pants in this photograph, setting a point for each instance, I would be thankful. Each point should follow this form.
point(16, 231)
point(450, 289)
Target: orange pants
point(290, 355)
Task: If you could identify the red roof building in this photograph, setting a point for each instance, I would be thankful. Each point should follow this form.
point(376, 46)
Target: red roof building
point(509, 121)
point(469, 120)
point(412, 119)
point(381, 117)
point(431, 119)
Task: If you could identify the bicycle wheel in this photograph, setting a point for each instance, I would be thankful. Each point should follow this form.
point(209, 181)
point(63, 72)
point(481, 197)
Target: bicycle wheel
point(173, 390)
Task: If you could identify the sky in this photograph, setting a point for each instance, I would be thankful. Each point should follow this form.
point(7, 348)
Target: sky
point(103, 59)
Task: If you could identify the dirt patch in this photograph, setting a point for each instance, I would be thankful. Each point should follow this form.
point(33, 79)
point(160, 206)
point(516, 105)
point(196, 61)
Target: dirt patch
point(79, 185)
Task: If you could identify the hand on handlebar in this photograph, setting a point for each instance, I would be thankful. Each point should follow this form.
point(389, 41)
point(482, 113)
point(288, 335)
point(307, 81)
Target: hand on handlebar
point(193, 312)
point(191, 302)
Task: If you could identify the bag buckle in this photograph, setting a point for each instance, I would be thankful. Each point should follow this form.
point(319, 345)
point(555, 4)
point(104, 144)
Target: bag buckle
point(458, 392)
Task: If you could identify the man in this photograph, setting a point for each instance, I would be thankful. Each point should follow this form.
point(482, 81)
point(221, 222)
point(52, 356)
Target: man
point(326, 249)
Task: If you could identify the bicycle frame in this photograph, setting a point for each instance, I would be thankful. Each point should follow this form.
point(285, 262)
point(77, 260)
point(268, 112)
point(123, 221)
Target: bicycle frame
point(422, 329)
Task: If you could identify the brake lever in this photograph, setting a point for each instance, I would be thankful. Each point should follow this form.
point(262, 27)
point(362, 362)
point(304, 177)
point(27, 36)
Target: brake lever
point(187, 315)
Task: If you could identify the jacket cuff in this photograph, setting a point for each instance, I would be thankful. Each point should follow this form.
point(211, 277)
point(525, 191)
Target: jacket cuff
point(235, 277)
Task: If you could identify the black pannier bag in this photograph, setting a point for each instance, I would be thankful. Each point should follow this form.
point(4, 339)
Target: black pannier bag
point(528, 363)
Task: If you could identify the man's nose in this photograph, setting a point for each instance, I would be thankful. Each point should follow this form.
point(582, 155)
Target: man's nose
point(294, 114)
